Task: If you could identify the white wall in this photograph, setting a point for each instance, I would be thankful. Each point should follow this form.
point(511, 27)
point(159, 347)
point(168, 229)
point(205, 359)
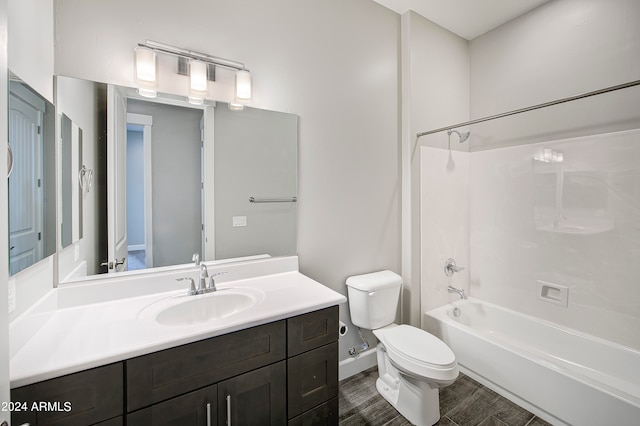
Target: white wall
point(435, 93)
point(30, 43)
point(333, 63)
point(563, 48)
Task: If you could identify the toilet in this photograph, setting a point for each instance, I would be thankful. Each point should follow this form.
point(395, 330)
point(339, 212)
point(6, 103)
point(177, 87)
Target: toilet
point(412, 363)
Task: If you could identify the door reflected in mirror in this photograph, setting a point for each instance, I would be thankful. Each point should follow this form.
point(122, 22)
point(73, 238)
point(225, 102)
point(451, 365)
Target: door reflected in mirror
point(177, 180)
point(32, 191)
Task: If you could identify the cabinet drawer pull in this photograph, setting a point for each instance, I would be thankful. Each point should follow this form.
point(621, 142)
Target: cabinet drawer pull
point(228, 410)
point(209, 414)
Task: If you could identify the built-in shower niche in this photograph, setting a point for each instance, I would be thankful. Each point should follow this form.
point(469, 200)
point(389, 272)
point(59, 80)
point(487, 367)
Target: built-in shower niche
point(571, 194)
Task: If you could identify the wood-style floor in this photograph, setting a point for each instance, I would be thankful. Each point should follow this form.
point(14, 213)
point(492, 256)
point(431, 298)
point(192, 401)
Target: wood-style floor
point(464, 403)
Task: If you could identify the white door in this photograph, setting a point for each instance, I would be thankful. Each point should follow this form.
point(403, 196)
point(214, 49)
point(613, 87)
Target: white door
point(116, 180)
point(25, 182)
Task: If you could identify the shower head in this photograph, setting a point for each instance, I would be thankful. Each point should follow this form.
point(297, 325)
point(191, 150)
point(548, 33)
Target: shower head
point(462, 136)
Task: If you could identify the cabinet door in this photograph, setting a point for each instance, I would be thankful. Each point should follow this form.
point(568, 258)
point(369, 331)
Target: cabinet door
point(256, 398)
point(312, 378)
point(194, 408)
point(83, 398)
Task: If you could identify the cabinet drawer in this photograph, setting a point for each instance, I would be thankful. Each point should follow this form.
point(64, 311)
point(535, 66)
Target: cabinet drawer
point(83, 398)
point(312, 330)
point(193, 408)
point(163, 375)
point(312, 378)
point(324, 415)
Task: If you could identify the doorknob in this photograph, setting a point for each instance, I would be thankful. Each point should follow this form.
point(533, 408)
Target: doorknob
point(112, 265)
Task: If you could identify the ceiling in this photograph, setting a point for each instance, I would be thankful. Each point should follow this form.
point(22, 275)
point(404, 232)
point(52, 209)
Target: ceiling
point(466, 18)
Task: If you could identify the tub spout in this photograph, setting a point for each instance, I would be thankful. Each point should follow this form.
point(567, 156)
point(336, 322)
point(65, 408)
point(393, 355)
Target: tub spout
point(460, 292)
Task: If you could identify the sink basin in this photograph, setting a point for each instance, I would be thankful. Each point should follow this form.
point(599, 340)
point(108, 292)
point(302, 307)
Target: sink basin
point(203, 308)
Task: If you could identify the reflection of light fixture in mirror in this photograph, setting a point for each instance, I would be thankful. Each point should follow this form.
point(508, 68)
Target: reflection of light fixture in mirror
point(243, 86)
point(195, 100)
point(235, 107)
point(145, 72)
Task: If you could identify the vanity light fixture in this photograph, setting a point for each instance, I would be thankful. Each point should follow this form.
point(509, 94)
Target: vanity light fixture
point(198, 82)
point(200, 68)
point(145, 72)
point(243, 86)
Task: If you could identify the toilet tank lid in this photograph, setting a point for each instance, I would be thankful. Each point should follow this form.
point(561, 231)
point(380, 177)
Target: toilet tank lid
point(375, 280)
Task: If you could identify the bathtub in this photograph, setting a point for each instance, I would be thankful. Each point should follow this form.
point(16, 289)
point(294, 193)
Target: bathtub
point(564, 376)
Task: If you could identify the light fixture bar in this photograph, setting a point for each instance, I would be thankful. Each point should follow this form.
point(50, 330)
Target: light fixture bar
point(191, 54)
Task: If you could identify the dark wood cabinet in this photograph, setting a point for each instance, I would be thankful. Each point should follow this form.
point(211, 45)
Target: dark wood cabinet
point(312, 378)
point(84, 398)
point(256, 398)
point(165, 374)
point(285, 372)
point(194, 408)
point(312, 368)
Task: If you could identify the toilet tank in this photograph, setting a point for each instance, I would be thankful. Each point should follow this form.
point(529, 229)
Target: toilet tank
point(373, 298)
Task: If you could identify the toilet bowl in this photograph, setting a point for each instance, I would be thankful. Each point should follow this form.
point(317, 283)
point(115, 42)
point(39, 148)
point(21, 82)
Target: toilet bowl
point(412, 363)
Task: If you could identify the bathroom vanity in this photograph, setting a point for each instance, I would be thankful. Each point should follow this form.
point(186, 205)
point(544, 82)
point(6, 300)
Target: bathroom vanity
point(276, 362)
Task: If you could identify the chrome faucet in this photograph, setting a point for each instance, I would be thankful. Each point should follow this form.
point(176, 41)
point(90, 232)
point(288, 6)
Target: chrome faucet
point(207, 283)
point(460, 292)
point(204, 274)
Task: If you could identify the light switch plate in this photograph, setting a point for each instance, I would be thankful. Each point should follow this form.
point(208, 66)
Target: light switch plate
point(239, 221)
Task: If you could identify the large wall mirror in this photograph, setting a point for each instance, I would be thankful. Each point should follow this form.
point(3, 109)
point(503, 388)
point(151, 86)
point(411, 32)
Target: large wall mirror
point(32, 189)
point(170, 179)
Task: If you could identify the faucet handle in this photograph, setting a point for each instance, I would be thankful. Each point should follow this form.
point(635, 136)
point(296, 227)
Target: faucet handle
point(212, 282)
point(450, 267)
point(196, 258)
point(192, 285)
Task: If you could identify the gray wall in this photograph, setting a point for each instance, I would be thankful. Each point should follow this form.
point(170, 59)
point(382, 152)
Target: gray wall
point(175, 169)
point(135, 188)
point(255, 155)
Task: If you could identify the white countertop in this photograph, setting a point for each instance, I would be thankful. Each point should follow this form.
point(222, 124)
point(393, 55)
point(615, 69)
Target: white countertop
point(49, 343)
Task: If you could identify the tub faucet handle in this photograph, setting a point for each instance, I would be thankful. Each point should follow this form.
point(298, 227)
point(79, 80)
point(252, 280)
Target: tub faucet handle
point(450, 267)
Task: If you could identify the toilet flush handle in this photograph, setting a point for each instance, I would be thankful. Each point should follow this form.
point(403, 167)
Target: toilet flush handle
point(372, 293)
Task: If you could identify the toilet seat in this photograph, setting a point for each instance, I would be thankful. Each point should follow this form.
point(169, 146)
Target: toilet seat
point(418, 352)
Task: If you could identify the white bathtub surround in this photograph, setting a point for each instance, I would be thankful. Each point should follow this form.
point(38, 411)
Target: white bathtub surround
point(562, 375)
point(85, 326)
point(445, 223)
point(572, 225)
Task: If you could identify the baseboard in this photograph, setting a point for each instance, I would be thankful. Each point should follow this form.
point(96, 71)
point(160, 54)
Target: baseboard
point(354, 365)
